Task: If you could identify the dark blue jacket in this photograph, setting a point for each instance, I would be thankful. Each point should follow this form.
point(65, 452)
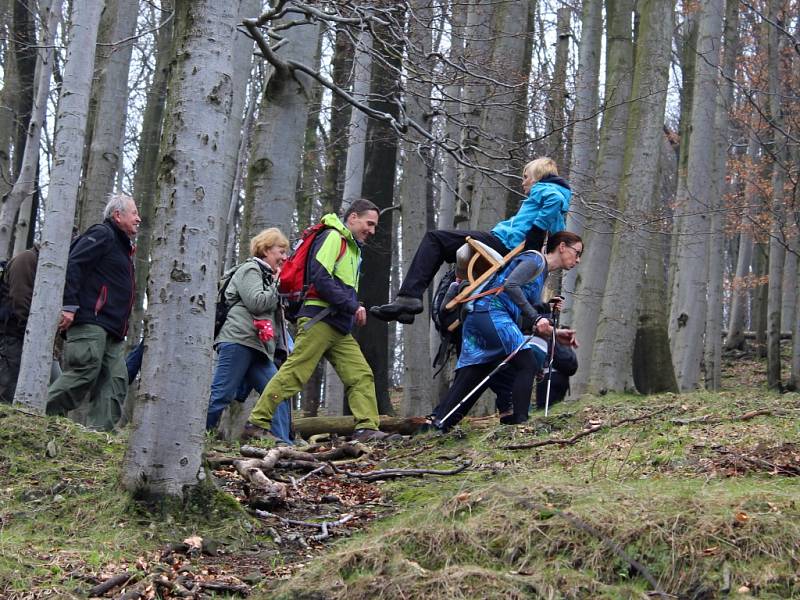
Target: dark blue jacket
point(100, 280)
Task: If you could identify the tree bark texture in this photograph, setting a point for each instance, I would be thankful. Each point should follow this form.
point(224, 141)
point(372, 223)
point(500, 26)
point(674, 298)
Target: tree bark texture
point(144, 180)
point(583, 157)
point(712, 356)
point(168, 426)
point(417, 390)
point(278, 138)
point(70, 126)
point(611, 367)
point(379, 176)
point(25, 184)
point(108, 108)
point(777, 238)
point(590, 284)
point(236, 140)
point(688, 309)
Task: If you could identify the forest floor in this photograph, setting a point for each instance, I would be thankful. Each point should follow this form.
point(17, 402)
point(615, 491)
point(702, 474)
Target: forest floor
point(669, 496)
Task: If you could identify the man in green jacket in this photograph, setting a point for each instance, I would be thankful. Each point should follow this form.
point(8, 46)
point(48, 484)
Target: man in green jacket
point(324, 328)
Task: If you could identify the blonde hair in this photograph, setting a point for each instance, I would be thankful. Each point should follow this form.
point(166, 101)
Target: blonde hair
point(265, 240)
point(540, 168)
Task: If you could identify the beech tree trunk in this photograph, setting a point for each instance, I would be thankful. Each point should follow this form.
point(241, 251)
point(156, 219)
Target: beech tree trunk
point(25, 184)
point(612, 360)
point(277, 151)
point(236, 140)
point(168, 425)
point(740, 292)
point(70, 125)
point(777, 238)
point(712, 356)
point(689, 302)
point(584, 133)
point(144, 180)
point(108, 108)
point(418, 397)
point(379, 176)
point(590, 289)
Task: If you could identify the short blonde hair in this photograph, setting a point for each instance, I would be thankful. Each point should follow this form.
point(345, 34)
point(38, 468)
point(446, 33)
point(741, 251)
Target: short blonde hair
point(540, 168)
point(266, 239)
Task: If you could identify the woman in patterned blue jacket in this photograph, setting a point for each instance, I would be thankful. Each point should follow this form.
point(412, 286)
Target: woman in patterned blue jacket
point(494, 329)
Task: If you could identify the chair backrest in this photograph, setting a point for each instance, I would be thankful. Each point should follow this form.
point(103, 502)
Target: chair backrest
point(467, 252)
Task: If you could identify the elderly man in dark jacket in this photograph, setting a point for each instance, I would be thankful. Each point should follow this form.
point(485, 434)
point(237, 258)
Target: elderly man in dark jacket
point(98, 297)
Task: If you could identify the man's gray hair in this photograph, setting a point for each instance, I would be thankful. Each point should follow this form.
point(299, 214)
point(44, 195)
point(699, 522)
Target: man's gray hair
point(116, 201)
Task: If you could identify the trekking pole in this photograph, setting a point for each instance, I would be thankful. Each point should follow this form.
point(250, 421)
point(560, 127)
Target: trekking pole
point(506, 360)
point(556, 315)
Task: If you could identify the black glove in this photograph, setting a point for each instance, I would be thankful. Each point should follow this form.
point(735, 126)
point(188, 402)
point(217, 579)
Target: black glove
point(526, 324)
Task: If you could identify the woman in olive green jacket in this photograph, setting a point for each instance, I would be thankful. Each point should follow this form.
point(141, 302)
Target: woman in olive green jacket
point(253, 329)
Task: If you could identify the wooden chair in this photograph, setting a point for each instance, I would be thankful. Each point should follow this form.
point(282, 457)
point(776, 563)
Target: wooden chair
point(483, 263)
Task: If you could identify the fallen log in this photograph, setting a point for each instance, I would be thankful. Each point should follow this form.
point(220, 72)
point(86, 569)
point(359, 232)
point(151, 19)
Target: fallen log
point(111, 583)
point(308, 426)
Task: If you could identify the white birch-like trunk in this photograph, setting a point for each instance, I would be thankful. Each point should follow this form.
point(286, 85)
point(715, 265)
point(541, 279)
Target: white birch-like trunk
point(37, 354)
point(584, 132)
point(448, 181)
point(168, 423)
point(357, 131)
point(418, 397)
point(111, 97)
point(236, 136)
point(353, 181)
point(712, 355)
point(506, 57)
point(689, 300)
point(777, 239)
point(613, 349)
point(740, 292)
point(590, 289)
point(558, 89)
point(25, 184)
point(277, 152)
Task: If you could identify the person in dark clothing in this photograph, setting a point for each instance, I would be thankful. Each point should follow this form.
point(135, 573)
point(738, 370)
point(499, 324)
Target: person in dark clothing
point(98, 297)
point(501, 326)
point(541, 213)
point(20, 275)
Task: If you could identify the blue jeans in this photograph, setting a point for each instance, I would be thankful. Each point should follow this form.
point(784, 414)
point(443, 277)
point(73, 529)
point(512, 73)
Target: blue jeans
point(238, 370)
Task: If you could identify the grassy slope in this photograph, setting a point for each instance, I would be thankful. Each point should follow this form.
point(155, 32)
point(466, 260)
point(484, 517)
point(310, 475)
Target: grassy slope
point(63, 516)
point(559, 521)
point(550, 522)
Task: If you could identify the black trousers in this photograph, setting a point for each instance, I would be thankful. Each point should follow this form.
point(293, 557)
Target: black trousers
point(523, 368)
point(439, 246)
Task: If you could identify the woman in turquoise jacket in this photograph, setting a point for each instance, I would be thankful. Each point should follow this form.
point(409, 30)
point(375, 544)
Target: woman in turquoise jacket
point(541, 213)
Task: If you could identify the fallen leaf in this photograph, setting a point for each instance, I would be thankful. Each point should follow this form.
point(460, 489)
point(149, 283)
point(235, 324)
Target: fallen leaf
point(741, 517)
point(194, 542)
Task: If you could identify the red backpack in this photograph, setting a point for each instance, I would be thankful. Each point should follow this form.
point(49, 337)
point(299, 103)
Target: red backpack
point(293, 284)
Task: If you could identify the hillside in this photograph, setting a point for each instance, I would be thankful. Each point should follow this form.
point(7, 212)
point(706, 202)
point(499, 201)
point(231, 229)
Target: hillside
point(690, 496)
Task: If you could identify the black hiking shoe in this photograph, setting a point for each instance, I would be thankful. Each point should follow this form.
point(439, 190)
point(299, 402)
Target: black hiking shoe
point(402, 304)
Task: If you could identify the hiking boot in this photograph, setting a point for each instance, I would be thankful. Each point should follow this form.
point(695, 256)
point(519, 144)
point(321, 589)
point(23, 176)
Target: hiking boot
point(402, 304)
point(403, 318)
point(256, 432)
point(368, 435)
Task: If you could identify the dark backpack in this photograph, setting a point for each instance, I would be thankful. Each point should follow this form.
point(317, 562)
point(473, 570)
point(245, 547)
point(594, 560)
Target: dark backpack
point(222, 307)
point(449, 341)
point(293, 284)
